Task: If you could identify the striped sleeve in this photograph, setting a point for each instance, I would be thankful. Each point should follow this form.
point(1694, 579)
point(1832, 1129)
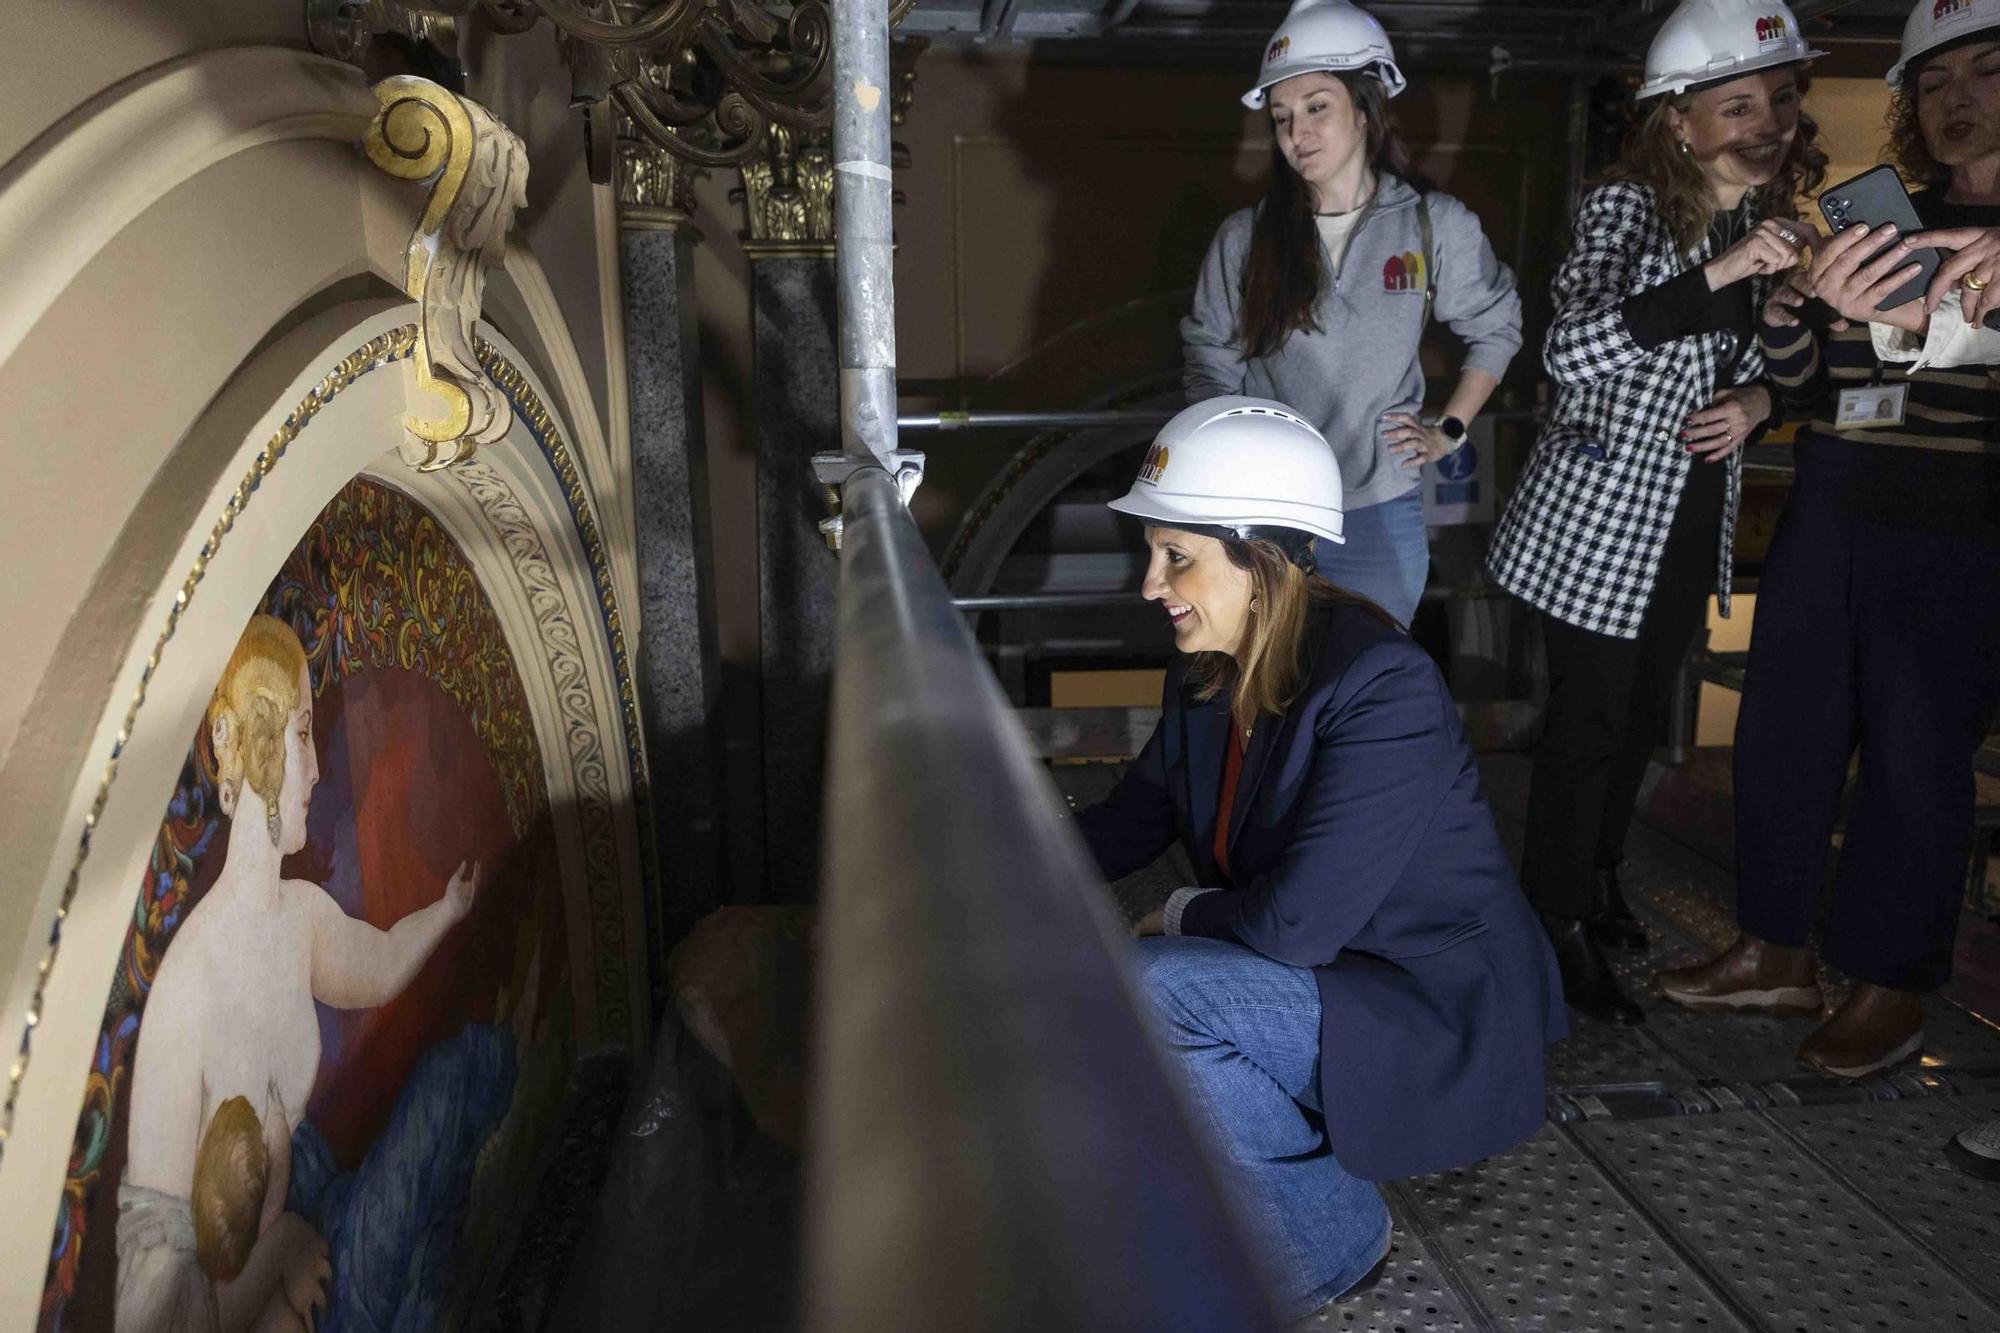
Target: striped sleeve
point(1792, 362)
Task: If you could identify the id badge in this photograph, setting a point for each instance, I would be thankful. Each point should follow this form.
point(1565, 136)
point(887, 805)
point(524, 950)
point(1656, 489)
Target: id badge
point(1876, 405)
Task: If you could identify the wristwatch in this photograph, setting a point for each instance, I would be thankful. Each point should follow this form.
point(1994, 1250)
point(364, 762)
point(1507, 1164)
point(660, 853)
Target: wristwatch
point(1453, 428)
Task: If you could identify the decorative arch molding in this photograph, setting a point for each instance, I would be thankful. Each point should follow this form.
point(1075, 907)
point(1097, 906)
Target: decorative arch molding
point(127, 148)
point(526, 518)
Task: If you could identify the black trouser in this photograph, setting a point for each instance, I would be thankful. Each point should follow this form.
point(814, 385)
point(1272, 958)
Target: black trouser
point(1609, 704)
point(1888, 639)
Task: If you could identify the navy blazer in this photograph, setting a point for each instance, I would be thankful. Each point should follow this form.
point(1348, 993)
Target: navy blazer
point(1363, 848)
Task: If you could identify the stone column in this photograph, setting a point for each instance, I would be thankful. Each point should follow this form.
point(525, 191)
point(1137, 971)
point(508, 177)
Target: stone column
point(788, 199)
point(678, 671)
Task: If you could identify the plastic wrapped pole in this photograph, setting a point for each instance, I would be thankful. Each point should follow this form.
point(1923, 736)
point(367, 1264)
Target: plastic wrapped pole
point(864, 244)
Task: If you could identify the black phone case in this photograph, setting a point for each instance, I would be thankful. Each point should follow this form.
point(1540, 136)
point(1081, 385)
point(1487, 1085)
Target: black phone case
point(1877, 197)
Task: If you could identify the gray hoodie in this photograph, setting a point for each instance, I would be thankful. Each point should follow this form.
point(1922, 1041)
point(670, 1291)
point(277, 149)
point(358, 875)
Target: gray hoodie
point(1363, 361)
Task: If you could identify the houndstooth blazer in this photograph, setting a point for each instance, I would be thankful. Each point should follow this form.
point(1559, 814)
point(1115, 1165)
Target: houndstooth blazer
point(1582, 537)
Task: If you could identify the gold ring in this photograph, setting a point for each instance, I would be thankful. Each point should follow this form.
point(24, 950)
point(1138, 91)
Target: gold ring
point(1974, 283)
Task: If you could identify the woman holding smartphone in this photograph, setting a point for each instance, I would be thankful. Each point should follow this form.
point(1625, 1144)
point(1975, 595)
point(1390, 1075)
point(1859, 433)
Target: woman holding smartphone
point(1318, 296)
point(1878, 616)
point(1624, 519)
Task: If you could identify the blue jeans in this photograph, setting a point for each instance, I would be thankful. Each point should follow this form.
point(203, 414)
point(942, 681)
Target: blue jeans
point(1243, 1032)
point(1386, 557)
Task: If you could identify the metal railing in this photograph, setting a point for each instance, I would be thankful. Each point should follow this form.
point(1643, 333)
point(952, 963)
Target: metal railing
point(995, 1140)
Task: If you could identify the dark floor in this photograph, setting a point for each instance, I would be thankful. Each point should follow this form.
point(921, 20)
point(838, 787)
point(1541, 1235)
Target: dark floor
point(1817, 1216)
point(1691, 1177)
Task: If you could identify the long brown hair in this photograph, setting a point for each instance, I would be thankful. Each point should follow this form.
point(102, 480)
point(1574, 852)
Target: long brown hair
point(1282, 597)
point(1652, 156)
point(1285, 270)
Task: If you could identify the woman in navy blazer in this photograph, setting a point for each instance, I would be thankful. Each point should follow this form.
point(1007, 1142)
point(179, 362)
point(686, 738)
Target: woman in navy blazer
point(1357, 989)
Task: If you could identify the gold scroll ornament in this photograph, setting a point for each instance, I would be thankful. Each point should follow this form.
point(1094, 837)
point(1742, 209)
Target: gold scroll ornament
point(479, 173)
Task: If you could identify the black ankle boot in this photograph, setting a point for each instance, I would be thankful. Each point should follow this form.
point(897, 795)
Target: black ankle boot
point(1611, 921)
point(1588, 983)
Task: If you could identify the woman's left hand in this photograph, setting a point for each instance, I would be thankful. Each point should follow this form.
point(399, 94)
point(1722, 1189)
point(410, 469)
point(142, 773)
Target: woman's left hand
point(1974, 264)
point(1720, 429)
point(1153, 923)
point(1414, 443)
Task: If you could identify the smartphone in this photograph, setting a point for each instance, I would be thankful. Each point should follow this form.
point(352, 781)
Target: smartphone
point(1877, 197)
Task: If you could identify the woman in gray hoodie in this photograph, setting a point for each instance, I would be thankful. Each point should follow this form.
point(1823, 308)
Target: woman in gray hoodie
point(1317, 297)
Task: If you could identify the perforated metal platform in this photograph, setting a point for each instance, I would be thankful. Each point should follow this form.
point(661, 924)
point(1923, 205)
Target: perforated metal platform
point(1774, 1206)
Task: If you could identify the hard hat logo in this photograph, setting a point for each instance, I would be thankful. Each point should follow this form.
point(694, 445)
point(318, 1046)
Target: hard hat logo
point(1945, 9)
point(1155, 465)
point(1772, 28)
point(1403, 273)
point(1278, 50)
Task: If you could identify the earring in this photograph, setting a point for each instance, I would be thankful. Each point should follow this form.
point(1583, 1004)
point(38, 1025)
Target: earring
point(1685, 150)
point(1256, 605)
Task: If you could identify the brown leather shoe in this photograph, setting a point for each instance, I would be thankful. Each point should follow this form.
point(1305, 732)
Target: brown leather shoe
point(1750, 976)
point(1875, 1029)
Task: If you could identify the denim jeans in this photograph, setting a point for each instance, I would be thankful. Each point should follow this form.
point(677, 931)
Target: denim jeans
point(1386, 557)
point(1243, 1032)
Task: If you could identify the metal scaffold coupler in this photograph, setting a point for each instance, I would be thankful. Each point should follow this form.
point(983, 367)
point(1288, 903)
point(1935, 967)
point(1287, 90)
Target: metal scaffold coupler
point(833, 470)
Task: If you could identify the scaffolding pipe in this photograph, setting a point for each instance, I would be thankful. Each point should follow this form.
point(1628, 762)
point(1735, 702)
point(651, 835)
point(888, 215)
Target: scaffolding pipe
point(961, 420)
point(864, 239)
point(996, 1143)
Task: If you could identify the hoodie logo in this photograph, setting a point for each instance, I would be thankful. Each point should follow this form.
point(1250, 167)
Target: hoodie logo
point(1277, 49)
point(1403, 273)
point(1948, 10)
point(1155, 465)
point(1772, 30)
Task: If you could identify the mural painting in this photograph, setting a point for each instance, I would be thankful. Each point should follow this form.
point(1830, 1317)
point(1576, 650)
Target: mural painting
point(342, 1017)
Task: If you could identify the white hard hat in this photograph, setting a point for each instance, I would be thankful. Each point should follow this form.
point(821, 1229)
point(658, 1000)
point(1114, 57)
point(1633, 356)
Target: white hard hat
point(1238, 463)
point(1321, 36)
point(1706, 41)
point(1935, 24)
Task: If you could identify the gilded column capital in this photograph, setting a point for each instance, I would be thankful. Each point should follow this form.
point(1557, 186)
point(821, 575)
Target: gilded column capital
point(655, 188)
point(787, 194)
point(478, 173)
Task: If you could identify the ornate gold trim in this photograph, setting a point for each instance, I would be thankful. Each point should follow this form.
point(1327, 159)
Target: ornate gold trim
point(479, 170)
point(756, 250)
point(381, 350)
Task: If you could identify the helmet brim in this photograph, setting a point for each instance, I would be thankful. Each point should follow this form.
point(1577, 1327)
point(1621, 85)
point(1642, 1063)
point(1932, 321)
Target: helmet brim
point(1198, 511)
point(1897, 72)
point(1687, 81)
point(1391, 78)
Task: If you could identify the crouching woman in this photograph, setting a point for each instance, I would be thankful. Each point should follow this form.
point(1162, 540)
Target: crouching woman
point(1357, 989)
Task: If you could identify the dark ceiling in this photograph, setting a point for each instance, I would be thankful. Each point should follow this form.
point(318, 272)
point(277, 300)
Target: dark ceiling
point(1528, 33)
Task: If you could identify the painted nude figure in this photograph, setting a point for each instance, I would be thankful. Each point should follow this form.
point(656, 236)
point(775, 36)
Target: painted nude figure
point(231, 1014)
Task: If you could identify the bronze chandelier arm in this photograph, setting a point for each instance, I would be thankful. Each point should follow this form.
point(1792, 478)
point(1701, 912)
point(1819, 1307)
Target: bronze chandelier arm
point(733, 114)
point(779, 100)
point(656, 28)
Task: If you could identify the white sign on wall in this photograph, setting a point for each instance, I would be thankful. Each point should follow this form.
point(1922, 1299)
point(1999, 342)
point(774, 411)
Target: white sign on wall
point(1458, 488)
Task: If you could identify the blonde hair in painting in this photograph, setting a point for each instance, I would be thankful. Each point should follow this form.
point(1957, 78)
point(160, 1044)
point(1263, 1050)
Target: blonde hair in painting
point(250, 709)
